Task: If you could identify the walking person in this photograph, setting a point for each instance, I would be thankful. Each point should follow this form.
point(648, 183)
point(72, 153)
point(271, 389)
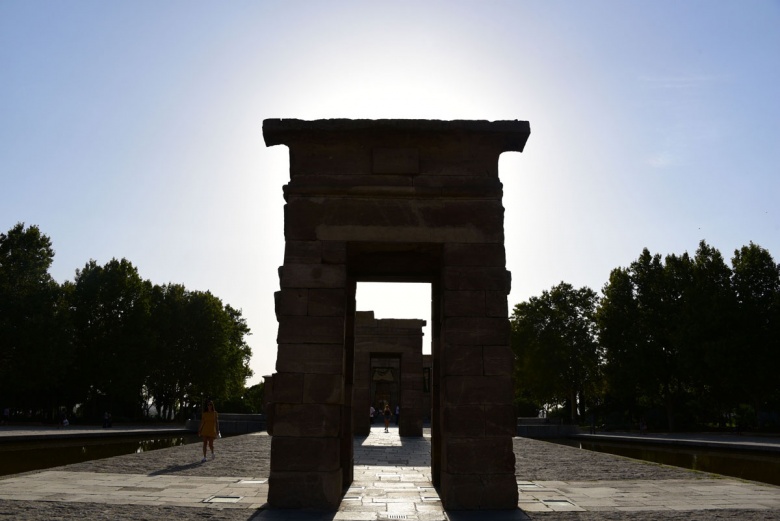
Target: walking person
point(397, 414)
point(209, 428)
point(388, 414)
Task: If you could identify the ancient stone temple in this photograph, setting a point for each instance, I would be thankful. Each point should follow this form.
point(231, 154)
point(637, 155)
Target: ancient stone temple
point(388, 369)
point(404, 201)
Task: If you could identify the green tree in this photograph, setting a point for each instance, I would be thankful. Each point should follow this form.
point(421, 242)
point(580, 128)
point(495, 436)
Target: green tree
point(641, 330)
point(111, 312)
point(219, 361)
point(707, 333)
point(556, 354)
point(756, 282)
point(250, 401)
point(33, 352)
point(166, 380)
point(199, 351)
point(617, 317)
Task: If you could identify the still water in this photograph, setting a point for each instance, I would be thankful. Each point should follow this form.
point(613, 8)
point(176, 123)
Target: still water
point(27, 456)
point(763, 467)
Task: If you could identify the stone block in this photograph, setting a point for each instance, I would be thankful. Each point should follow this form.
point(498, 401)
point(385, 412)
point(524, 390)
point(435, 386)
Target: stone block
point(498, 360)
point(500, 420)
point(288, 387)
point(464, 390)
point(310, 330)
point(304, 454)
point(334, 252)
point(476, 330)
point(487, 216)
point(313, 276)
point(302, 252)
point(413, 384)
point(412, 428)
point(462, 360)
point(329, 159)
point(464, 303)
point(344, 183)
point(396, 161)
point(362, 376)
point(307, 420)
point(470, 278)
point(496, 304)
point(310, 358)
point(379, 212)
point(412, 398)
point(453, 184)
point(291, 302)
point(323, 388)
point(479, 491)
point(318, 490)
point(327, 302)
point(478, 455)
point(481, 255)
point(393, 218)
point(300, 218)
point(465, 421)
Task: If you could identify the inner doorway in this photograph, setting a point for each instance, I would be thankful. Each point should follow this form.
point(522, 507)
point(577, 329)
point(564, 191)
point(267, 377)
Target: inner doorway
point(390, 359)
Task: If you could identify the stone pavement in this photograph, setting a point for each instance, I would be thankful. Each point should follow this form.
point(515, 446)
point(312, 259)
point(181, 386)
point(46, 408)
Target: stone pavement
point(392, 481)
point(135, 489)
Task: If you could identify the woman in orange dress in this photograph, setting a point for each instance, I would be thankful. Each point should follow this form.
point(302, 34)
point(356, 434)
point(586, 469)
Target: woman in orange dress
point(209, 428)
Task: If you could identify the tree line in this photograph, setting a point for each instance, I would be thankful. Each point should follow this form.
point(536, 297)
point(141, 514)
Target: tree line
point(110, 341)
point(677, 342)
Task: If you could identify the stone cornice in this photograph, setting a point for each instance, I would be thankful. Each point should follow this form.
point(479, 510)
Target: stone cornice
point(510, 135)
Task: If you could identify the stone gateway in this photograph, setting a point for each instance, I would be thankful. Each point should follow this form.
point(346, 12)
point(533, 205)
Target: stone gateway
point(394, 201)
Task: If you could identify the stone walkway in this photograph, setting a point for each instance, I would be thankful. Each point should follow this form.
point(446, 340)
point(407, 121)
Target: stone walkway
point(136, 489)
point(392, 481)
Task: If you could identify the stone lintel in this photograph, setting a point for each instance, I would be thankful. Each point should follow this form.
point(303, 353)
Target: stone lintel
point(511, 135)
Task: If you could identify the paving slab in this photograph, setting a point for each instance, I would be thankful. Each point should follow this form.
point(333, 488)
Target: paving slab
point(554, 482)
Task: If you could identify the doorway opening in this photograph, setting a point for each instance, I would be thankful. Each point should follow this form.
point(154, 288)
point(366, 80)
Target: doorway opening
point(398, 300)
point(392, 357)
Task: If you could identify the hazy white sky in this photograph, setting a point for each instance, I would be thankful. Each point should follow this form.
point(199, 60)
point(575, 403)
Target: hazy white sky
point(134, 129)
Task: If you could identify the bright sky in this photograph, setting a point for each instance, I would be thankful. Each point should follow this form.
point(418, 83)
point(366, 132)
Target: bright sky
point(134, 129)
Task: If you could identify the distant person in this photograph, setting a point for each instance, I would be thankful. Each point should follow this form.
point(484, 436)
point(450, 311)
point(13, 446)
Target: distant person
point(371, 412)
point(388, 414)
point(209, 428)
point(397, 414)
point(6, 415)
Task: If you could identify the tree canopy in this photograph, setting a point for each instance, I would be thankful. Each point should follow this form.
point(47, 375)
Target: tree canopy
point(680, 340)
point(553, 338)
point(110, 340)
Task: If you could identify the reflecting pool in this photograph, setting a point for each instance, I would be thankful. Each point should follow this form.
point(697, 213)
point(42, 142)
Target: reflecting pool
point(755, 466)
point(18, 457)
